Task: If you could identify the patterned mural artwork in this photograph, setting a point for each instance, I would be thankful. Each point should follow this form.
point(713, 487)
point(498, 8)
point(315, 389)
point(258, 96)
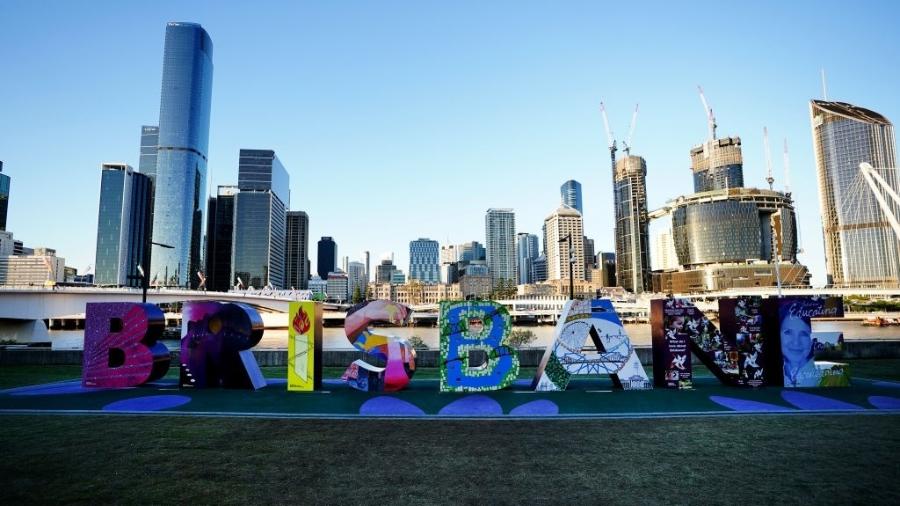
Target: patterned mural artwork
point(120, 345)
point(216, 338)
point(800, 346)
point(476, 326)
point(304, 373)
point(398, 355)
point(595, 320)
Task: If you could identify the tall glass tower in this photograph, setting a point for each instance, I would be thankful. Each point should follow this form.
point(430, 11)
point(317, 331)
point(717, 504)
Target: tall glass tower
point(326, 257)
point(500, 232)
point(632, 224)
point(424, 263)
point(297, 250)
point(861, 248)
point(570, 192)
point(526, 253)
point(180, 179)
point(122, 224)
point(260, 228)
point(4, 197)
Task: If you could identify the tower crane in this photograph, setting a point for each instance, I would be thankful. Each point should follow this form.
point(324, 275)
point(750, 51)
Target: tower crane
point(627, 143)
point(787, 191)
point(710, 117)
point(610, 139)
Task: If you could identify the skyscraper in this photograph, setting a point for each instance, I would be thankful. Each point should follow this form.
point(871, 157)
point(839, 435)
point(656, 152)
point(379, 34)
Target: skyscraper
point(356, 280)
point(562, 224)
point(526, 253)
point(632, 224)
point(149, 150)
point(500, 240)
point(570, 192)
point(384, 271)
point(424, 263)
point(180, 179)
point(219, 239)
point(4, 197)
point(258, 251)
point(718, 164)
point(588, 255)
point(122, 225)
point(861, 249)
point(297, 261)
point(326, 257)
point(368, 265)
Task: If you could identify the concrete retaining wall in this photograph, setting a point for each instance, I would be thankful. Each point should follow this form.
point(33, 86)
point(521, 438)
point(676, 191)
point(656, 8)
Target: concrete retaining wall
point(425, 358)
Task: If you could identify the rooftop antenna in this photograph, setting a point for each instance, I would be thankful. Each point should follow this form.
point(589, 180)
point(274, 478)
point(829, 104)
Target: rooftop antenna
point(710, 117)
point(627, 143)
point(787, 169)
point(769, 178)
point(824, 86)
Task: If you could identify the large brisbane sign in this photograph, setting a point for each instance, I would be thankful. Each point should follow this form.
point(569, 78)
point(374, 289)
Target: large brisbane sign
point(758, 342)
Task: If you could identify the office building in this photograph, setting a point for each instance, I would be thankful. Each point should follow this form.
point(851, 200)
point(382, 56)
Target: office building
point(219, 239)
point(368, 265)
point(718, 164)
point(424, 263)
point(4, 197)
point(570, 194)
point(588, 256)
point(565, 231)
point(500, 244)
point(663, 255)
point(260, 219)
point(297, 250)
point(326, 259)
point(122, 225)
point(539, 269)
point(337, 286)
point(384, 271)
point(32, 270)
point(861, 249)
point(356, 280)
point(149, 150)
point(526, 253)
point(317, 285)
point(398, 277)
point(180, 179)
point(606, 261)
point(632, 224)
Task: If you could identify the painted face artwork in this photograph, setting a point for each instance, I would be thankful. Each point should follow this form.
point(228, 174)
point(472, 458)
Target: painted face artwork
point(796, 342)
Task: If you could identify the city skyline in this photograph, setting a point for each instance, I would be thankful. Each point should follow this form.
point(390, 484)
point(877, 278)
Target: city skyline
point(501, 143)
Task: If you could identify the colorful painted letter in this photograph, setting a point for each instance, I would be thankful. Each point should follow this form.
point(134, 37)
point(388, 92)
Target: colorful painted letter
point(120, 345)
point(398, 355)
point(790, 330)
point(304, 346)
point(216, 338)
point(595, 319)
point(468, 326)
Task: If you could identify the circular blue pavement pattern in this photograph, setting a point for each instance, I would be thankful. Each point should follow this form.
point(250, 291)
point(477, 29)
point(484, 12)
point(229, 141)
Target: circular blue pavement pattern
point(148, 403)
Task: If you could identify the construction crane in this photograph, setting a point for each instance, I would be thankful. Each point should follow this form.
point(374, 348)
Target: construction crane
point(610, 139)
point(627, 143)
point(787, 191)
point(769, 178)
point(710, 117)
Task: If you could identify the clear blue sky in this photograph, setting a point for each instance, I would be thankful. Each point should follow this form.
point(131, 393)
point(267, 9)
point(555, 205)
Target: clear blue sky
point(399, 120)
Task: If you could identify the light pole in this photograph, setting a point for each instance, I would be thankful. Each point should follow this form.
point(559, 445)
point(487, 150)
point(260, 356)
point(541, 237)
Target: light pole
point(571, 264)
point(145, 274)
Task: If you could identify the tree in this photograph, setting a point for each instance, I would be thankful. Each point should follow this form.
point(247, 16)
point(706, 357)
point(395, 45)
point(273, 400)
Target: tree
point(357, 295)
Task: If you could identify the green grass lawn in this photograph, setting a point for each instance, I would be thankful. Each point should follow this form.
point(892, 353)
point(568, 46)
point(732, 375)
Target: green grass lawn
point(743, 460)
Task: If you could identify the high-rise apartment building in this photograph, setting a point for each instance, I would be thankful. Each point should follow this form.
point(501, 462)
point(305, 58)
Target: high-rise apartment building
point(718, 164)
point(565, 231)
point(4, 197)
point(424, 263)
point(180, 178)
point(632, 224)
point(326, 257)
point(260, 216)
point(297, 258)
point(570, 193)
point(122, 225)
point(500, 235)
point(526, 252)
point(861, 249)
point(219, 239)
point(384, 271)
point(663, 253)
point(356, 280)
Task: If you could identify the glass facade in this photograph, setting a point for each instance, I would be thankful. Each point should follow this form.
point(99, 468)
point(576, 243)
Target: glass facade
point(861, 248)
point(423, 261)
point(526, 253)
point(180, 179)
point(326, 257)
point(297, 258)
point(219, 234)
point(149, 150)
point(260, 223)
point(4, 197)
point(500, 232)
point(632, 224)
point(122, 225)
point(718, 178)
point(718, 164)
point(570, 192)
